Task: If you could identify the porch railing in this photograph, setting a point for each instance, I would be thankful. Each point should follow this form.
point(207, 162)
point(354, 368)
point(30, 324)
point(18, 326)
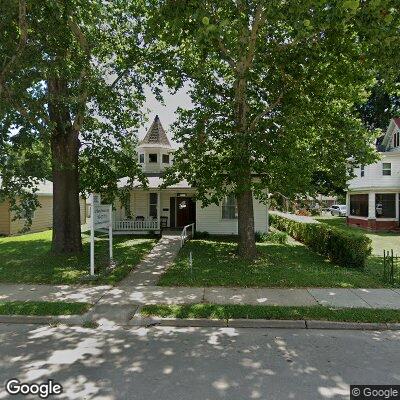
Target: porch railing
point(129, 225)
point(185, 234)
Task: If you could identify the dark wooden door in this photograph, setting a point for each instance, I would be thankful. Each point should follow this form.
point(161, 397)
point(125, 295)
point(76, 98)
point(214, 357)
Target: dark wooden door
point(185, 211)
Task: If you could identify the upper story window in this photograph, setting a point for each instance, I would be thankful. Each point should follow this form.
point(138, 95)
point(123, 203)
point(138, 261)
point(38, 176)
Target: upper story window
point(386, 168)
point(141, 158)
point(153, 158)
point(396, 139)
point(229, 207)
point(165, 158)
point(362, 170)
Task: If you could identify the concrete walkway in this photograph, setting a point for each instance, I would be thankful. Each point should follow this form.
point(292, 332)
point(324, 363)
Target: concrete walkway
point(148, 271)
point(141, 294)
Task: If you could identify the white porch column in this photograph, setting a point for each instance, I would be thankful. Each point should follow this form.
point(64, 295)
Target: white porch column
point(397, 206)
point(371, 205)
point(159, 209)
point(347, 204)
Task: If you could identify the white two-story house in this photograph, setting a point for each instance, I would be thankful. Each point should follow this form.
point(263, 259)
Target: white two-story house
point(156, 208)
point(373, 195)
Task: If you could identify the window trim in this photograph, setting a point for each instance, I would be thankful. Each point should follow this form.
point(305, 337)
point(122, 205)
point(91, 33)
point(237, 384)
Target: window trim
point(141, 158)
point(386, 169)
point(365, 205)
point(225, 205)
point(153, 162)
point(153, 204)
point(362, 171)
point(162, 158)
point(382, 216)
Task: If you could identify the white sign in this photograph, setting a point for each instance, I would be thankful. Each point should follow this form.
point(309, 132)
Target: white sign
point(101, 218)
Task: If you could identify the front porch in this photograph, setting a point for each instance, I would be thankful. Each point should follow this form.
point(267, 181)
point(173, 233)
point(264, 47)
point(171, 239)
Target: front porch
point(154, 210)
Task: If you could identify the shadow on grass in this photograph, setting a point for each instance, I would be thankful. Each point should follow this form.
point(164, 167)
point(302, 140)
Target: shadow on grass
point(28, 259)
point(215, 263)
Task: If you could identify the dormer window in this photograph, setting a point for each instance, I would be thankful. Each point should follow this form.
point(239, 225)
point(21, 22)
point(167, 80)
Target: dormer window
point(153, 158)
point(165, 158)
point(141, 158)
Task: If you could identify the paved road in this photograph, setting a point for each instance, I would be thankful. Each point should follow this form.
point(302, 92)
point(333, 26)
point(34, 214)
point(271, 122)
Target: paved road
point(196, 363)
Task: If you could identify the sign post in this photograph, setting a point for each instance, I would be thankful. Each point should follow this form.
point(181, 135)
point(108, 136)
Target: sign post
point(101, 217)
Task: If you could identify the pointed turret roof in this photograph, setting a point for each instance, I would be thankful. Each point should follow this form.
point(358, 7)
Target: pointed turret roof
point(156, 134)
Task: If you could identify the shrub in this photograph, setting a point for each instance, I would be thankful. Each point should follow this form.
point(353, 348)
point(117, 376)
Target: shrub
point(273, 237)
point(344, 248)
point(201, 235)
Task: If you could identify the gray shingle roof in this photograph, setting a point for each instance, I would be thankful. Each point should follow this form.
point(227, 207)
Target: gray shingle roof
point(156, 134)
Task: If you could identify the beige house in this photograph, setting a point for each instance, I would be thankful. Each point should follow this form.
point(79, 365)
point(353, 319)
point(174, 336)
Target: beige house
point(43, 215)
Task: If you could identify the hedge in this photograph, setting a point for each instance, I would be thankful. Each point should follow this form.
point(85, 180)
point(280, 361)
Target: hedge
point(341, 247)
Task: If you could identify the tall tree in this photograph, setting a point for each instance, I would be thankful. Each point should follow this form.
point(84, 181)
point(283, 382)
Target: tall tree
point(274, 86)
point(71, 87)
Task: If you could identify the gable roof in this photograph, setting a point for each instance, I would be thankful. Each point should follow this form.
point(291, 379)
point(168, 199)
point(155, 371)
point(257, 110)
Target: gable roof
point(44, 187)
point(156, 134)
point(385, 144)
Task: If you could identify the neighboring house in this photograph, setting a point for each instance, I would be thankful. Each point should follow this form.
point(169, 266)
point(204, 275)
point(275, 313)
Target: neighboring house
point(175, 206)
point(373, 195)
point(43, 215)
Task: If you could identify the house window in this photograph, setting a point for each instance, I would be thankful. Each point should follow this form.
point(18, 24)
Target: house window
point(153, 205)
point(152, 158)
point(396, 139)
point(229, 208)
point(386, 168)
point(385, 205)
point(359, 205)
point(141, 158)
point(362, 170)
point(165, 158)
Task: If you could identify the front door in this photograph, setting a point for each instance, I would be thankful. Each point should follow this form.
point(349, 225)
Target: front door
point(185, 211)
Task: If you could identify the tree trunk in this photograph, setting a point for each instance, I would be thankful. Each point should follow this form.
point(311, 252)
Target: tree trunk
point(65, 151)
point(247, 244)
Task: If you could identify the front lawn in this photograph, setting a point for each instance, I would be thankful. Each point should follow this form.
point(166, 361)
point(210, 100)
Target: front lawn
point(27, 259)
point(290, 265)
point(380, 240)
point(226, 312)
point(42, 308)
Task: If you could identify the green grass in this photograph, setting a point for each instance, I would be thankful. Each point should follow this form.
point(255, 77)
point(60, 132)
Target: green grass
point(27, 259)
point(42, 308)
point(213, 311)
point(380, 240)
point(215, 263)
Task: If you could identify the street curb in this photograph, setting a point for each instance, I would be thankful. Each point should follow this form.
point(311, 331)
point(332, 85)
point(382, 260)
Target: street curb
point(139, 321)
point(359, 326)
point(41, 319)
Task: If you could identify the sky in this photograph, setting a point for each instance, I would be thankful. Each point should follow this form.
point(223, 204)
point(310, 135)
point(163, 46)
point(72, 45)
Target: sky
point(165, 112)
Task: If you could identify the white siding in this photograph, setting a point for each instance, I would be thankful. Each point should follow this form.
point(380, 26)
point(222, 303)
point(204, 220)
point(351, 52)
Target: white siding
point(140, 204)
point(209, 219)
point(373, 177)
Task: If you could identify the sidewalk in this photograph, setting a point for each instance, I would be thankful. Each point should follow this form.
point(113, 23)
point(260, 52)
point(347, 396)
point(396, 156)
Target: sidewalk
point(125, 295)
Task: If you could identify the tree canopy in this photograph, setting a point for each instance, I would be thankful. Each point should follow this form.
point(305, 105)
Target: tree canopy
point(275, 87)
